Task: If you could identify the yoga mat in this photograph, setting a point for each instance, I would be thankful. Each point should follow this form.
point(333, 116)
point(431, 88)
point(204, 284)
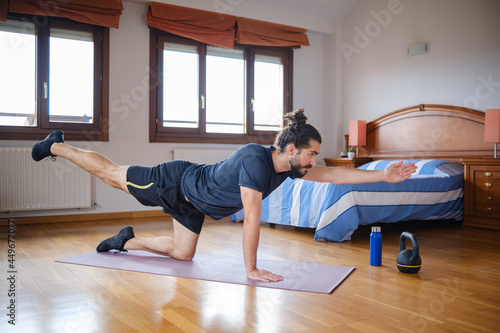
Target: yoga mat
point(297, 276)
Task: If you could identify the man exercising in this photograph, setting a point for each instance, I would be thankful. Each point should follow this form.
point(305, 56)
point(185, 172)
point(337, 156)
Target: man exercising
point(189, 191)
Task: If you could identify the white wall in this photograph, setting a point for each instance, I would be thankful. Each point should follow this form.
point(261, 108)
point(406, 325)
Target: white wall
point(129, 108)
point(308, 83)
point(461, 67)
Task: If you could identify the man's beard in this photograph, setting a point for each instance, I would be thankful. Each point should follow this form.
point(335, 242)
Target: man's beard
point(295, 168)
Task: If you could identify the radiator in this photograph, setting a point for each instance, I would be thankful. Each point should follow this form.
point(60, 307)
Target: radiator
point(29, 185)
point(206, 156)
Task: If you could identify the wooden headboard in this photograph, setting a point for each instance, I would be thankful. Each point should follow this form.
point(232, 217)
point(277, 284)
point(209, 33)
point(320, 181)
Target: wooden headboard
point(427, 131)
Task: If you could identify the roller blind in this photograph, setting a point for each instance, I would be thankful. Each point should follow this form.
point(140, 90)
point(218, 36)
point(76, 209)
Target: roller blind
point(262, 33)
point(104, 13)
point(4, 8)
point(203, 26)
point(221, 29)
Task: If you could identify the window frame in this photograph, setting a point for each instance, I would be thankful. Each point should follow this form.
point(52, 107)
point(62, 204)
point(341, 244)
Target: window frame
point(98, 130)
point(158, 133)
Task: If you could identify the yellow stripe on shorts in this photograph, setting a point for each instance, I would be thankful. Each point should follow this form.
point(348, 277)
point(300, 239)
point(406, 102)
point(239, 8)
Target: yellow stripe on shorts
point(141, 187)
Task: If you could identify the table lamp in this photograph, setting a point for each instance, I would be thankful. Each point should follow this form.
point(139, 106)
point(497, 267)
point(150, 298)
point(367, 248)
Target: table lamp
point(492, 127)
point(357, 134)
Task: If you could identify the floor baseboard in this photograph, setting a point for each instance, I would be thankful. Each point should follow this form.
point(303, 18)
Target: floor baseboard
point(83, 217)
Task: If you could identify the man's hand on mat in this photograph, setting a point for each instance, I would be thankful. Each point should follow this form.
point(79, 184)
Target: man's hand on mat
point(262, 275)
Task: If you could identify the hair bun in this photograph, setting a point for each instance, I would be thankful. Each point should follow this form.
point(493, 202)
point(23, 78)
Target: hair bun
point(296, 132)
point(296, 117)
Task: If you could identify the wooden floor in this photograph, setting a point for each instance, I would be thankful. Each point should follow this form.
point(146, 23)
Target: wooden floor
point(457, 290)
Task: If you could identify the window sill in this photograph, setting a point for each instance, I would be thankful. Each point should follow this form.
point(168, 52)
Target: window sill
point(14, 133)
point(264, 139)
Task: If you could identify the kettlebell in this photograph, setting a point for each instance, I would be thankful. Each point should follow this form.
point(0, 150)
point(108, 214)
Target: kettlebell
point(408, 261)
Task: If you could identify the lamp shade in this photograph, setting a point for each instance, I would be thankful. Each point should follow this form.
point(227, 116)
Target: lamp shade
point(357, 132)
point(492, 125)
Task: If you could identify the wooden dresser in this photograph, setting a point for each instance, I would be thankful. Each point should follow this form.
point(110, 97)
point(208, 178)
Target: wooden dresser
point(482, 192)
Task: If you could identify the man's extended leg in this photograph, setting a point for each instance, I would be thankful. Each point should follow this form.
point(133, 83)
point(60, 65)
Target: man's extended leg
point(182, 246)
point(92, 162)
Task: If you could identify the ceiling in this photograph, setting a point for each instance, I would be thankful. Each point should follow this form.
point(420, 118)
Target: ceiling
point(330, 10)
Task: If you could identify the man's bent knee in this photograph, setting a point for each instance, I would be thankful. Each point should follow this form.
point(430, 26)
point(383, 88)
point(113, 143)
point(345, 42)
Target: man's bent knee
point(185, 257)
point(182, 252)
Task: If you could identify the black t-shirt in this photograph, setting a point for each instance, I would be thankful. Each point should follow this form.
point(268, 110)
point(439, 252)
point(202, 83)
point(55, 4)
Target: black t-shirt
point(215, 189)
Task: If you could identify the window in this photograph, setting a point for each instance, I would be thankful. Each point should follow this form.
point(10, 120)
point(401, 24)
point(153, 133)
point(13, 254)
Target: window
point(212, 94)
point(225, 90)
point(55, 78)
point(180, 86)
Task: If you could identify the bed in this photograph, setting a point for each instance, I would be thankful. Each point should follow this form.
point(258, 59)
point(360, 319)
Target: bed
point(435, 137)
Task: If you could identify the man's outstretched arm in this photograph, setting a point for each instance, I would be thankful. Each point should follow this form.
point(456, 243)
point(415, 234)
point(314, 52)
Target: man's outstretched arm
point(344, 175)
point(252, 205)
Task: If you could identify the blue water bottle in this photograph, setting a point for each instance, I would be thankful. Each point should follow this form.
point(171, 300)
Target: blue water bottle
point(376, 247)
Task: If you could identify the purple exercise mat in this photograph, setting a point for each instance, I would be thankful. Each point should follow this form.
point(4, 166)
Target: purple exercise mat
point(297, 276)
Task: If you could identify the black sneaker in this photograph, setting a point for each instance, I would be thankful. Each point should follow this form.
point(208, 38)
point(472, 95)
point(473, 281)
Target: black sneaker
point(42, 148)
point(117, 242)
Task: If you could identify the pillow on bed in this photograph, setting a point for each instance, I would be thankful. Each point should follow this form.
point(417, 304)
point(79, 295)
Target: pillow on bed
point(425, 168)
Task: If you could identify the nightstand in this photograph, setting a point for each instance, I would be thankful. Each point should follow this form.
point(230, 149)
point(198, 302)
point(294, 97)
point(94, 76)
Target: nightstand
point(348, 162)
point(482, 193)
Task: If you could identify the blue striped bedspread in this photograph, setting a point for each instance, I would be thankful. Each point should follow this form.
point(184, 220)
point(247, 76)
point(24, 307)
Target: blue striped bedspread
point(434, 192)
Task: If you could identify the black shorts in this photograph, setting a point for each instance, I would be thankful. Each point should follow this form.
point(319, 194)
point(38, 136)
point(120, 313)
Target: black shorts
point(160, 186)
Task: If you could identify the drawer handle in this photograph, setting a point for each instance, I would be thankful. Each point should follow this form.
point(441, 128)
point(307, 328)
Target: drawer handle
point(488, 209)
point(487, 197)
point(487, 174)
point(487, 184)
